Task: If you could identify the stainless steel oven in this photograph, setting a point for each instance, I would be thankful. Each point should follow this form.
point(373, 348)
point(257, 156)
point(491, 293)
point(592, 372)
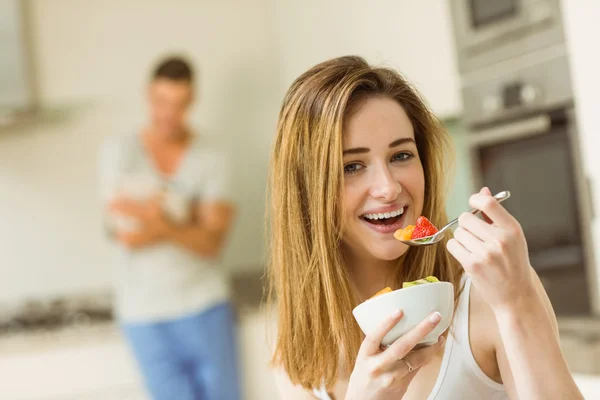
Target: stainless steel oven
point(535, 158)
point(488, 31)
point(523, 138)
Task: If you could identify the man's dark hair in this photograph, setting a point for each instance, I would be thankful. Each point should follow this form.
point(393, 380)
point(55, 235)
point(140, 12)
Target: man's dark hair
point(175, 69)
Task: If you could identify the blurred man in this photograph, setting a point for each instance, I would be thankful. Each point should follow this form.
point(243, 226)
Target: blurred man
point(165, 191)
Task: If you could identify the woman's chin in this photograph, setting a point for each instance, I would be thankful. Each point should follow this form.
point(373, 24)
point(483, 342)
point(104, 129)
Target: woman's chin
point(390, 253)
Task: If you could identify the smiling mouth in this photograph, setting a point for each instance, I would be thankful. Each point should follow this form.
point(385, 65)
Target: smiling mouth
point(388, 218)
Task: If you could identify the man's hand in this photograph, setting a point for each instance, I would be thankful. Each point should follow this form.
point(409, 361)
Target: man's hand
point(153, 224)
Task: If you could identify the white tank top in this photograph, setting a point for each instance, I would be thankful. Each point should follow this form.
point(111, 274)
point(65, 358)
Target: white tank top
point(460, 377)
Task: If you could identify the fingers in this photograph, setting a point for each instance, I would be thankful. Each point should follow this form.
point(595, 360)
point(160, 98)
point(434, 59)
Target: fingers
point(486, 191)
point(458, 251)
point(469, 241)
point(401, 347)
point(420, 357)
point(125, 206)
point(129, 239)
point(402, 371)
point(491, 208)
point(371, 344)
point(120, 202)
point(397, 380)
point(476, 226)
point(138, 210)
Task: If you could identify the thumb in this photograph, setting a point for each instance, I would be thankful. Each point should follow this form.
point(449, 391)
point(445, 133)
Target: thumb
point(485, 190)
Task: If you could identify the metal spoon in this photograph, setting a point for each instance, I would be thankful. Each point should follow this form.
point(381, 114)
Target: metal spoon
point(427, 240)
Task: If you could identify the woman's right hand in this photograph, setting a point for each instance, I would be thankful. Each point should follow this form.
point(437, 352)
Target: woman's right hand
point(380, 374)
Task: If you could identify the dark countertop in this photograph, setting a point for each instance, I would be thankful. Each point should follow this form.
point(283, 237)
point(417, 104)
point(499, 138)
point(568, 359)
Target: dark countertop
point(247, 290)
point(86, 309)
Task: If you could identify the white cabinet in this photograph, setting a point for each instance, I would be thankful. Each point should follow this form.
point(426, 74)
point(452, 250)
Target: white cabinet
point(414, 37)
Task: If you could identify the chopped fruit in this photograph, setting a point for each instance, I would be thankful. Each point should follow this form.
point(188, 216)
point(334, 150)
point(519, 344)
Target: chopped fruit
point(382, 291)
point(424, 228)
point(429, 279)
point(404, 234)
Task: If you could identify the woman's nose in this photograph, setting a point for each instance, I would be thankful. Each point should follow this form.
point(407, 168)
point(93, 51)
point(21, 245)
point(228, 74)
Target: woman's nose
point(385, 187)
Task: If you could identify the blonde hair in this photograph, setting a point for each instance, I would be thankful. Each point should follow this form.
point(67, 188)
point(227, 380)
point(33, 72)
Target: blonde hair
point(309, 284)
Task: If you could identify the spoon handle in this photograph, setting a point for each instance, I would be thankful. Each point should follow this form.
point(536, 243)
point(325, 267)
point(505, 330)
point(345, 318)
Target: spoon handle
point(500, 197)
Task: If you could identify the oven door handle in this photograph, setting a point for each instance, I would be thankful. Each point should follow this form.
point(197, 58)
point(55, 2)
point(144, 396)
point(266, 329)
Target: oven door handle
point(511, 131)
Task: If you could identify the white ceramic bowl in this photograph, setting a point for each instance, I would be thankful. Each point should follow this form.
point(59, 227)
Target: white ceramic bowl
point(417, 302)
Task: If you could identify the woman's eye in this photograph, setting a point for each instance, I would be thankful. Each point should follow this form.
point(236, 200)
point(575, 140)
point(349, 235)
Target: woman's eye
point(402, 156)
point(352, 168)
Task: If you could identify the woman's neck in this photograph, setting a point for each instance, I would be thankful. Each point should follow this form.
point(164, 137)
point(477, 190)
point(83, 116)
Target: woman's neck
point(369, 275)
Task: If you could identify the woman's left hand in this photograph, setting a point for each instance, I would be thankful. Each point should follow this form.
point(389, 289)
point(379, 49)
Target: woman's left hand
point(493, 252)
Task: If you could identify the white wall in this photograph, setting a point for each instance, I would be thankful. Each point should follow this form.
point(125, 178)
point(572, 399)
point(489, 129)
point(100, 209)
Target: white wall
point(99, 53)
point(582, 31)
point(414, 37)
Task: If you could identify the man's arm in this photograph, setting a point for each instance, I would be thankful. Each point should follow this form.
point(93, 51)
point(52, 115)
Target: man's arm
point(204, 235)
point(208, 233)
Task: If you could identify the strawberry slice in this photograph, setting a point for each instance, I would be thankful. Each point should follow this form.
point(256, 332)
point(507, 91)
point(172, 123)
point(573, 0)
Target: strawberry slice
point(423, 228)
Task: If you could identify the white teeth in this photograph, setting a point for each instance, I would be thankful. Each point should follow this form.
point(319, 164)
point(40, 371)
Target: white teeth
point(397, 212)
point(391, 214)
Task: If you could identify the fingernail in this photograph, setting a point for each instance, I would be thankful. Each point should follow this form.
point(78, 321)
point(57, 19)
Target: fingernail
point(435, 317)
point(397, 314)
point(441, 340)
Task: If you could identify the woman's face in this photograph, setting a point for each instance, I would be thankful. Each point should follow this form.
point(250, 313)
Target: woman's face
point(384, 183)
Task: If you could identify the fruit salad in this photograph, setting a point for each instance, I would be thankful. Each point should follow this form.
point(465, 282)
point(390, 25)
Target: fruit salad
point(382, 291)
point(428, 279)
point(423, 228)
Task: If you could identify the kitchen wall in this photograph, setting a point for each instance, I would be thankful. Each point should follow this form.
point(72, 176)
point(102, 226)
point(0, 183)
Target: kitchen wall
point(582, 32)
point(94, 56)
point(414, 37)
point(462, 184)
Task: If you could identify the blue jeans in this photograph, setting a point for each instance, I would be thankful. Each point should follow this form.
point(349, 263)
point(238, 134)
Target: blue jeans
point(190, 358)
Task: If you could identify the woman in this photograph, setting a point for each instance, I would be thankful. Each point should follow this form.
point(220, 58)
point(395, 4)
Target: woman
point(353, 142)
